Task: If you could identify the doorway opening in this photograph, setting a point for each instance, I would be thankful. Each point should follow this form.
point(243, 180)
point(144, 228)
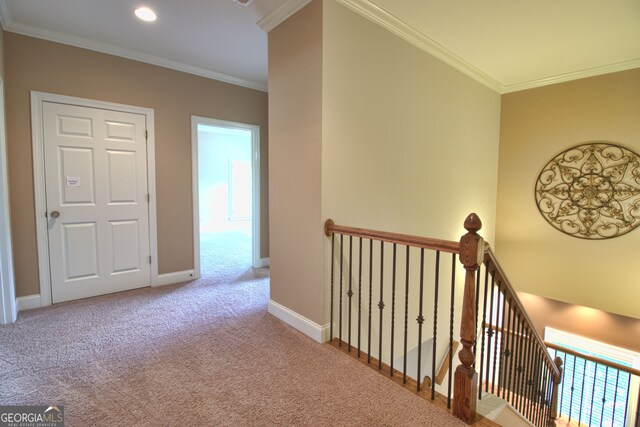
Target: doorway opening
point(226, 190)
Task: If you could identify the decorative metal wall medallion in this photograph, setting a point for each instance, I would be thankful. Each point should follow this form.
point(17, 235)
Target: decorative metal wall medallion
point(591, 191)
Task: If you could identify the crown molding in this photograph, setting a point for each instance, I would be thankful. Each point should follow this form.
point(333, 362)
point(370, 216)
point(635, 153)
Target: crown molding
point(5, 14)
point(281, 14)
point(576, 75)
point(383, 18)
point(128, 54)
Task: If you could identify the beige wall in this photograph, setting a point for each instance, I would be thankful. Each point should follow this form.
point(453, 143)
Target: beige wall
point(410, 145)
point(295, 138)
point(596, 324)
point(536, 125)
point(370, 131)
point(33, 64)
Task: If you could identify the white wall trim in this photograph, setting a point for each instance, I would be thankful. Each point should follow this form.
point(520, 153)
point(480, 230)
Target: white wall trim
point(83, 43)
point(576, 75)
point(281, 14)
point(301, 323)
point(175, 277)
point(264, 262)
point(383, 18)
point(37, 134)
point(29, 302)
point(255, 172)
point(8, 309)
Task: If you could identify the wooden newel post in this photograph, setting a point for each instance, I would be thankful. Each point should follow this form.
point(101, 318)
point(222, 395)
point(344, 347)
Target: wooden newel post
point(465, 389)
point(554, 396)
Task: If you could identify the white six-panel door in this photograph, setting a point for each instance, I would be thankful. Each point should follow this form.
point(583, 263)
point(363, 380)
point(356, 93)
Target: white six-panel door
point(96, 194)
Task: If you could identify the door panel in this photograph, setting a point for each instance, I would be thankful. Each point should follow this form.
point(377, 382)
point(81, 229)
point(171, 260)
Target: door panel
point(121, 177)
point(96, 178)
point(79, 247)
point(76, 176)
point(124, 246)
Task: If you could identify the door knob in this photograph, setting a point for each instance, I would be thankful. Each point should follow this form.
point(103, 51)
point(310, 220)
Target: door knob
point(55, 214)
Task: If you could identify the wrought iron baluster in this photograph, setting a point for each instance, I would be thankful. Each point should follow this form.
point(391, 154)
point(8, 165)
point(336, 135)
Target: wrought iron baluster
point(370, 298)
point(502, 339)
point(393, 308)
point(381, 303)
point(573, 383)
point(525, 358)
point(406, 319)
point(490, 333)
point(332, 275)
point(359, 294)
point(341, 262)
point(584, 374)
point(626, 407)
point(518, 361)
point(435, 326)
point(539, 382)
point(495, 342)
point(593, 391)
point(484, 320)
point(615, 398)
point(529, 376)
point(549, 396)
point(451, 319)
point(604, 393)
point(562, 386)
point(350, 291)
point(420, 318)
point(475, 344)
point(507, 351)
point(543, 395)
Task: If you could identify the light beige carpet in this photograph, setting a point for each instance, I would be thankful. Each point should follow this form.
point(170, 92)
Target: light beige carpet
point(205, 353)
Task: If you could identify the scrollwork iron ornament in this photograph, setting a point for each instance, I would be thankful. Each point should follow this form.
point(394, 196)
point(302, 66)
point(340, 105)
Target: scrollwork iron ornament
point(591, 191)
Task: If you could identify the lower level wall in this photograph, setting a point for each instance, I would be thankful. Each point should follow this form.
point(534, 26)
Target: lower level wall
point(587, 322)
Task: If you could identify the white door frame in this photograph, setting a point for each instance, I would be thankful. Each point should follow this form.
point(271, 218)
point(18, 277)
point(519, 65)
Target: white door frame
point(37, 132)
point(255, 172)
point(8, 308)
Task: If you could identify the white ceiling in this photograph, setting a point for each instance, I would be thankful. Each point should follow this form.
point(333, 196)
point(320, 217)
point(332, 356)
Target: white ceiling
point(506, 44)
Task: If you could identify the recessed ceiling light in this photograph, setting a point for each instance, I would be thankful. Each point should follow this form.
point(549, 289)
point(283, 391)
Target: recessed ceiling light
point(145, 14)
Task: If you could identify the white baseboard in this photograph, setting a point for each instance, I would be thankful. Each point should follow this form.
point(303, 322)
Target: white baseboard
point(175, 277)
point(28, 302)
point(264, 262)
point(301, 323)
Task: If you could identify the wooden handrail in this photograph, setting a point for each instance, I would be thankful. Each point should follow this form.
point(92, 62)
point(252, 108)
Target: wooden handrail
point(500, 277)
point(594, 359)
point(402, 239)
point(473, 252)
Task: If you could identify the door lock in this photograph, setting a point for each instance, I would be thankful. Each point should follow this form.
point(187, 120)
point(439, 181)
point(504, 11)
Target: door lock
point(55, 214)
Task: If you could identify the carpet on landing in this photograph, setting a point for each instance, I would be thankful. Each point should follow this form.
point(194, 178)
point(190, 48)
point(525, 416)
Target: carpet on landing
point(204, 353)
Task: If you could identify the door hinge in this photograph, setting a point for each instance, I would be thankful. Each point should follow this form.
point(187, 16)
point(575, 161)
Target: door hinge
point(146, 135)
point(148, 197)
point(149, 259)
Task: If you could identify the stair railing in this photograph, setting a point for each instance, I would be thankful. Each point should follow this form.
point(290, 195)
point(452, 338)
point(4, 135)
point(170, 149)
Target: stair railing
point(513, 360)
point(597, 391)
point(526, 375)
